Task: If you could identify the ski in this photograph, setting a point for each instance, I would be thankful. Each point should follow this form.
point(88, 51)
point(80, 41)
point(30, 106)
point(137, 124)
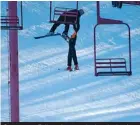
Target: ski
point(68, 70)
point(47, 35)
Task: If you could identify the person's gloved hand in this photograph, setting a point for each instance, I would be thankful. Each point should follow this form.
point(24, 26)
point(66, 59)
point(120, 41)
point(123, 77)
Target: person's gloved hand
point(73, 35)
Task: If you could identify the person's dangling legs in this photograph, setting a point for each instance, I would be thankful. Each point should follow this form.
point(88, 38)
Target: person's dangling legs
point(52, 30)
point(65, 32)
point(55, 25)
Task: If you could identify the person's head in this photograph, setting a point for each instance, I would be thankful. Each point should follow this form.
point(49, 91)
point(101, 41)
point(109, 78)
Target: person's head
point(81, 11)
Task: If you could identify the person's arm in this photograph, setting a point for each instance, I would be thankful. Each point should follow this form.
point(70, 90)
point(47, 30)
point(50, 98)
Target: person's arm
point(73, 35)
point(78, 26)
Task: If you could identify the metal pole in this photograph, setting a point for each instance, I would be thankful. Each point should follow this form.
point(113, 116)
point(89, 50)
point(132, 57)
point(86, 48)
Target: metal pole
point(95, 70)
point(21, 15)
point(98, 17)
point(50, 10)
point(98, 11)
point(130, 64)
point(77, 5)
point(130, 57)
point(14, 76)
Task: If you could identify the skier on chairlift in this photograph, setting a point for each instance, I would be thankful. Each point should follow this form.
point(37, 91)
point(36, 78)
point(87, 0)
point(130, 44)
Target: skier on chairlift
point(69, 19)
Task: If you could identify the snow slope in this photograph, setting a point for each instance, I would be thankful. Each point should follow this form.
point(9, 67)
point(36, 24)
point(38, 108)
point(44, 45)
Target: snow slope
point(48, 93)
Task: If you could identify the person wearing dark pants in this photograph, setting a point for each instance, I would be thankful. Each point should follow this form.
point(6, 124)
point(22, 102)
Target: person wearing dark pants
point(76, 26)
point(72, 53)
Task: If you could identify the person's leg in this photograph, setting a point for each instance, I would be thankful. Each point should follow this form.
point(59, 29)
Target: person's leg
point(55, 25)
point(73, 51)
point(74, 56)
point(69, 55)
point(66, 29)
point(61, 18)
point(69, 59)
point(75, 59)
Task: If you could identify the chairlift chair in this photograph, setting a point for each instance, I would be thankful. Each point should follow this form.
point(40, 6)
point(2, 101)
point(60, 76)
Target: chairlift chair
point(111, 63)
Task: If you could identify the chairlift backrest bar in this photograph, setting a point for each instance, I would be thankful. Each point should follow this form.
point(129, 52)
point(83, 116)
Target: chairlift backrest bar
point(67, 12)
point(9, 19)
point(110, 62)
point(64, 8)
point(66, 15)
point(112, 59)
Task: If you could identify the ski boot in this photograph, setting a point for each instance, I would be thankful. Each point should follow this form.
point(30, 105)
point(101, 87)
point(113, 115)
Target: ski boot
point(69, 68)
point(76, 67)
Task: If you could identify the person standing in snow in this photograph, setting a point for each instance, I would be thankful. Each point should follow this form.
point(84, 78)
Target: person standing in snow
point(72, 53)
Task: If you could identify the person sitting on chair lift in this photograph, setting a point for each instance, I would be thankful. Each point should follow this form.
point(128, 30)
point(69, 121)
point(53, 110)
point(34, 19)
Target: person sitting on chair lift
point(69, 19)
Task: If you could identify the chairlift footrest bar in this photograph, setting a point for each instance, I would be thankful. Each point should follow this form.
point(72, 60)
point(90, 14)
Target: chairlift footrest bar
point(117, 73)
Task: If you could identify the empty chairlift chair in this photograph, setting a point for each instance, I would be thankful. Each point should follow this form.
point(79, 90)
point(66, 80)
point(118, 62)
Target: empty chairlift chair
point(111, 66)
